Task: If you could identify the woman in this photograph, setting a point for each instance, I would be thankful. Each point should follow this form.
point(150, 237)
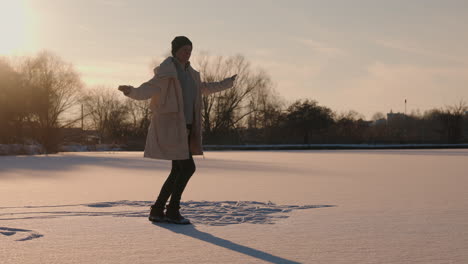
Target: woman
point(175, 130)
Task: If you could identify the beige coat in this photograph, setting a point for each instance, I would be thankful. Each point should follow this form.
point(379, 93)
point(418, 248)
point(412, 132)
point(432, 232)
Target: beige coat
point(167, 133)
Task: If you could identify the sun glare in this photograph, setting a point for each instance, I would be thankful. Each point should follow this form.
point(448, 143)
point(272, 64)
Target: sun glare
point(12, 26)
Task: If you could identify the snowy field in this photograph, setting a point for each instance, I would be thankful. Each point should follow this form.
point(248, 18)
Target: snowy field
point(361, 206)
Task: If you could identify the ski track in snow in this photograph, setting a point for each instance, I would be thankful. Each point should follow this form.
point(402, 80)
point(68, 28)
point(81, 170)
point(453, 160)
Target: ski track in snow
point(214, 213)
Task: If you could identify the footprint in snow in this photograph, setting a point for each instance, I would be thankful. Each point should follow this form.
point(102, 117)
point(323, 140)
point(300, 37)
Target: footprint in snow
point(218, 213)
point(20, 234)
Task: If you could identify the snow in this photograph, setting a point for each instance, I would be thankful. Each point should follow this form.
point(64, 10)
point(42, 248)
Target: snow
point(296, 206)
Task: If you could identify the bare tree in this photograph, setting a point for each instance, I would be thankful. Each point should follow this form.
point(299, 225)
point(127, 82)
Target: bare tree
point(140, 115)
point(229, 109)
point(265, 108)
point(457, 109)
point(452, 121)
point(54, 87)
point(106, 111)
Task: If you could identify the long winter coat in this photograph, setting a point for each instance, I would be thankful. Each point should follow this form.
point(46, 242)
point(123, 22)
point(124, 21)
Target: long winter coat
point(167, 133)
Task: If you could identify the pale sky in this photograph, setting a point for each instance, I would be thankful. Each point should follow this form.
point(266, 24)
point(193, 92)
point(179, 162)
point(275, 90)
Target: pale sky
point(362, 55)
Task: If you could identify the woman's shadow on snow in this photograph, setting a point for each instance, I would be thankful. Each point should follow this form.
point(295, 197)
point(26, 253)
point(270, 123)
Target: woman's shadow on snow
point(232, 212)
point(191, 231)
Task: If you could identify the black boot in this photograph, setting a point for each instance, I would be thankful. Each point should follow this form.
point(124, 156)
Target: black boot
point(173, 216)
point(156, 214)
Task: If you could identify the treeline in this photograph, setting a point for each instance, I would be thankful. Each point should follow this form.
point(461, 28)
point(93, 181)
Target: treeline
point(306, 122)
point(42, 99)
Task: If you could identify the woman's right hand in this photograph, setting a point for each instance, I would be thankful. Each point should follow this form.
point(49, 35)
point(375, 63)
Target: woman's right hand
point(125, 89)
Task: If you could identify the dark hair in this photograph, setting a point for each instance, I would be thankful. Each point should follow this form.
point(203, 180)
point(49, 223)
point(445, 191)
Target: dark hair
point(179, 42)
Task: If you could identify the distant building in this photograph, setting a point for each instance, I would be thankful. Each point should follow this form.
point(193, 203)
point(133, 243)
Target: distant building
point(380, 122)
point(71, 134)
point(74, 134)
point(395, 118)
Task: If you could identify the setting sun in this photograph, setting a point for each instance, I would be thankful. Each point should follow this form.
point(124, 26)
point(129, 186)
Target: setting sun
point(12, 26)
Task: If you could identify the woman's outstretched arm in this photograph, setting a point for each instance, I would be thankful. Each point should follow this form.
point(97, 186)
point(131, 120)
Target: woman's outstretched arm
point(143, 92)
point(214, 87)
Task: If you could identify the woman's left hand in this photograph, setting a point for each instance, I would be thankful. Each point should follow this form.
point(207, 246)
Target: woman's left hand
point(125, 89)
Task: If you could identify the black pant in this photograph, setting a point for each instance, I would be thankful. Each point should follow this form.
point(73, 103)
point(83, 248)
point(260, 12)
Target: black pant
point(175, 183)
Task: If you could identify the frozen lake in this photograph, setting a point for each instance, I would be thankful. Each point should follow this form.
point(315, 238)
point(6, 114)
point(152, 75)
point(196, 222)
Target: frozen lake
point(343, 206)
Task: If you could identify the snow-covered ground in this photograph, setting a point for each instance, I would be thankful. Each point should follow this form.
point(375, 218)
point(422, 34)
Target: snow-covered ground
point(343, 206)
